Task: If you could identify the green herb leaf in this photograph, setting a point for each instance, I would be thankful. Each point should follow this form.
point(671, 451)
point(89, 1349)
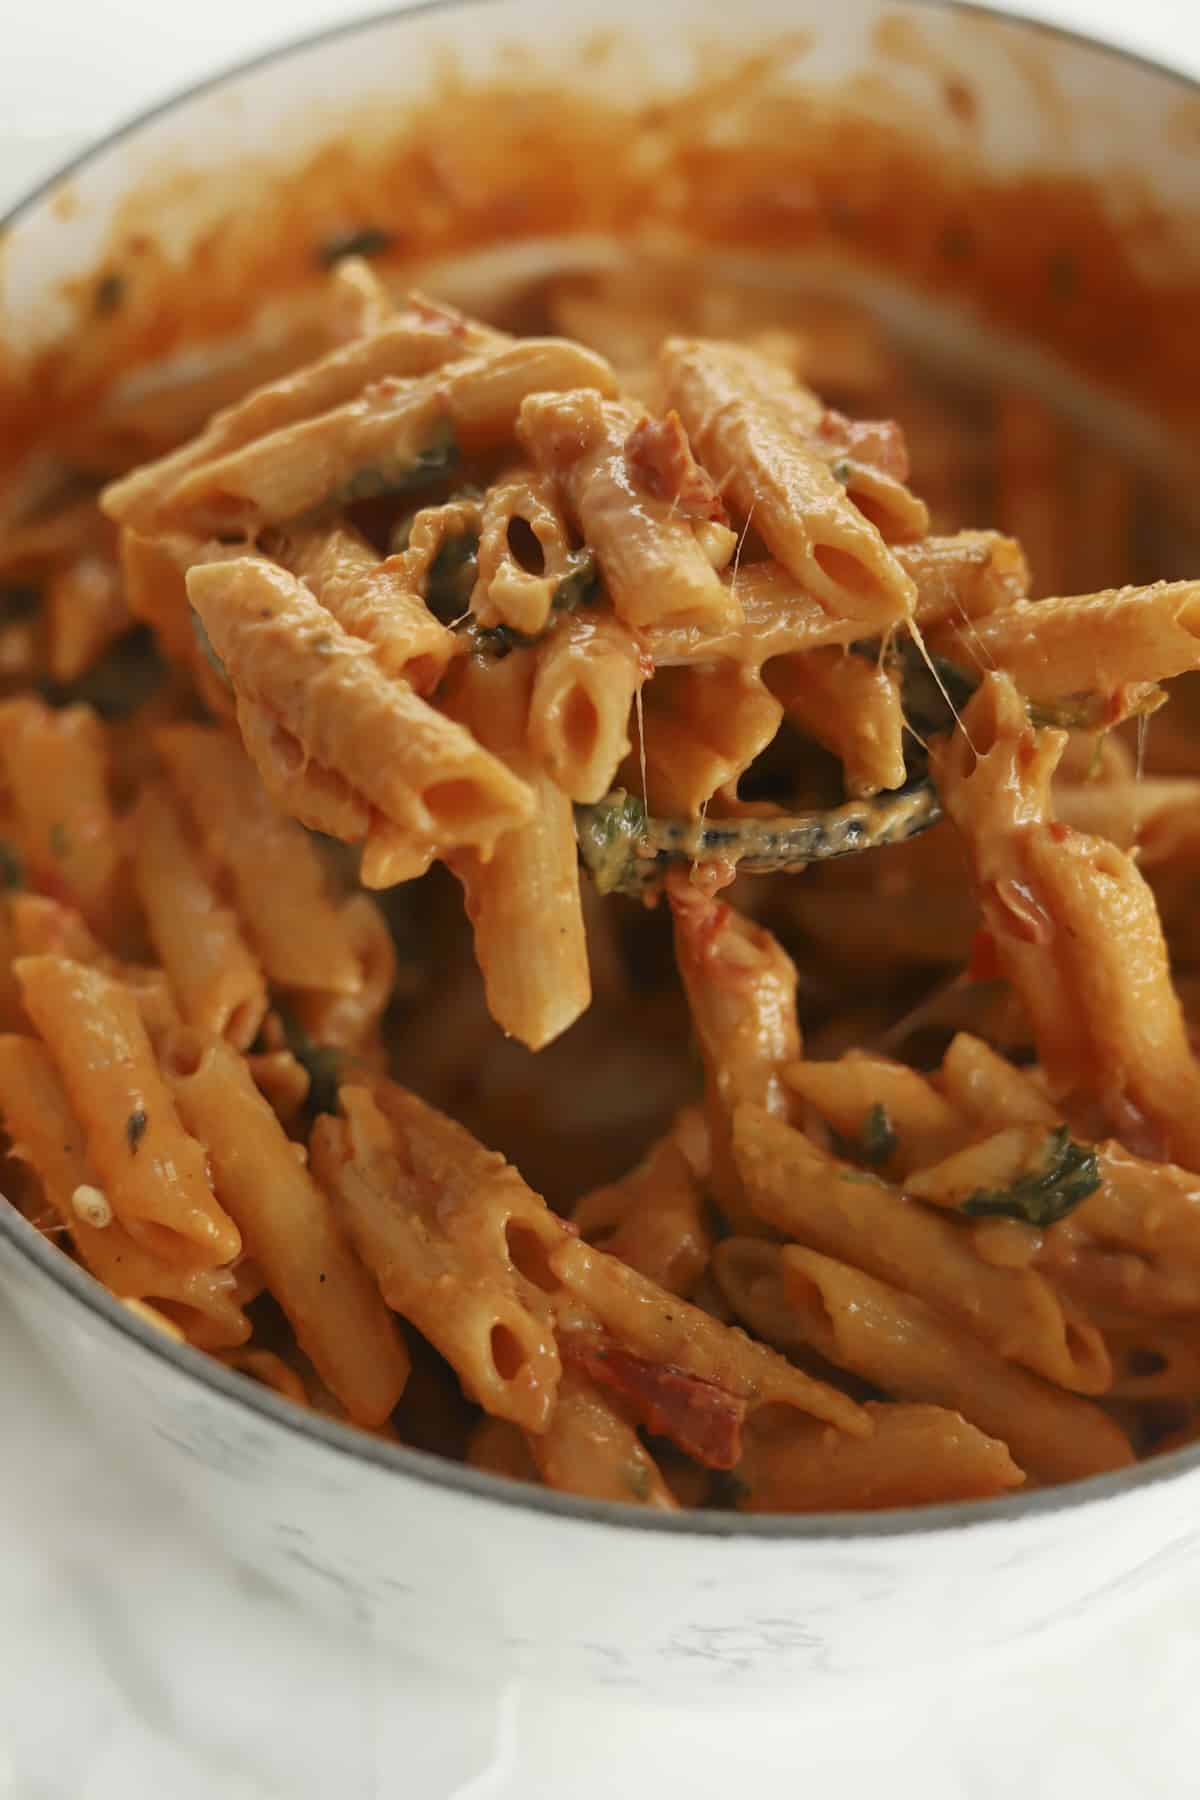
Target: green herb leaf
point(135, 1129)
point(609, 833)
point(1068, 1173)
point(579, 588)
point(876, 1138)
point(437, 458)
point(451, 577)
point(498, 641)
point(364, 240)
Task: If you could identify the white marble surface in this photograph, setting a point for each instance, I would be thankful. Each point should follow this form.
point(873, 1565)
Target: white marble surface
point(135, 1663)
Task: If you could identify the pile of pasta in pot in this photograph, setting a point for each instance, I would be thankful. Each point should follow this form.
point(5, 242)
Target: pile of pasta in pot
point(642, 646)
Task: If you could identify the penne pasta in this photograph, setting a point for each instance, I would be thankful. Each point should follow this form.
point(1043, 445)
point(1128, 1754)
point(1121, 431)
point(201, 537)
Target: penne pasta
point(653, 1219)
point(741, 992)
point(965, 576)
point(420, 770)
point(987, 1089)
point(668, 1332)
point(55, 768)
point(317, 798)
point(412, 344)
point(289, 1228)
point(1132, 1246)
point(216, 979)
point(851, 705)
point(44, 927)
point(656, 560)
point(525, 553)
point(894, 1114)
point(1091, 644)
point(756, 436)
point(589, 673)
point(915, 1456)
point(86, 612)
point(276, 877)
point(524, 902)
point(393, 438)
point(351, 1021)
point(153, 1172)
point(808, 1195)
point(777, 618)
point(1074, 927)
point(370, 598)
point(700, 731)
point(590, 1448)
point(432, 1213)
point(901, 1344)
point(202, 1302)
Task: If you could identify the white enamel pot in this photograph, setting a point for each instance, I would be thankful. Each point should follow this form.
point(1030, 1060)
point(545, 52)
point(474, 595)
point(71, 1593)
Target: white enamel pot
point(457, 1566)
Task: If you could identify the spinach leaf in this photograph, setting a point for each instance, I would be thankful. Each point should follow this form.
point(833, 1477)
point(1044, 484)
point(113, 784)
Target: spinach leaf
point(435, 459)
point(875, 1140)
point(609, 834)
point(1068, 1173)
point(451, 577)
point(579, 588)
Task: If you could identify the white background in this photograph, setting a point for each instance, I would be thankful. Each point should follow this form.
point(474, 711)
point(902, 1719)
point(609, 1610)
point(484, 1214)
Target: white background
point(132, 1668)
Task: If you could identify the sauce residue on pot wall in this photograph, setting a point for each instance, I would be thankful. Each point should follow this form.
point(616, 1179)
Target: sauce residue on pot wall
point(745, 161)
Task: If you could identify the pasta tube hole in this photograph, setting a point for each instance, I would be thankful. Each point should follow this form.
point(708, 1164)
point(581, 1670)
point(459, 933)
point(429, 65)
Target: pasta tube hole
point(524, 547)
point(528, 1256)
point(458, 805)
point(507, 1352)
point(890, 520)
point(845, 570)
point(168, 1245)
